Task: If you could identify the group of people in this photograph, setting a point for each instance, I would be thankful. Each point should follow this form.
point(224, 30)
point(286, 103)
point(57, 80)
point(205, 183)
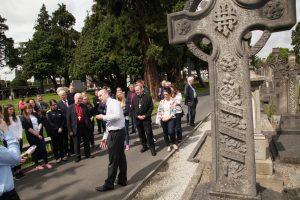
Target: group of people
point(70, 122)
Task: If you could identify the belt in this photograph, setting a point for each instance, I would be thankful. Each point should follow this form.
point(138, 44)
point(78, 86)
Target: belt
point(117, 130)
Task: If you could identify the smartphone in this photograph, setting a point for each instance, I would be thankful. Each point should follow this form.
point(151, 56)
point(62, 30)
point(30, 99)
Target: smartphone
point(29, 151)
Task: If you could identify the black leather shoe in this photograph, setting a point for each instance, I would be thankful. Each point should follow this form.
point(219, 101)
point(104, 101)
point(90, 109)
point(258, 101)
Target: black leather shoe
point(90, 156)
point(77, 159)
point(153, 152)
point(122, 183)
point(144, 149)
point(104, 188)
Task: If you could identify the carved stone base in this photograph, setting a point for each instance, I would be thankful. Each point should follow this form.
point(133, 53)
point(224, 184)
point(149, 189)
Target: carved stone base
point(202, 192)
point(227, 196)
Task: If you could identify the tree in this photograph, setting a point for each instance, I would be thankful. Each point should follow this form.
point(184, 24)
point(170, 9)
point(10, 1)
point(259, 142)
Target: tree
point(65, 39)
point(109, 47)
point(296, 41)
point(40, 54)
point(9, 55)
point(283, 54)
point(50, 53)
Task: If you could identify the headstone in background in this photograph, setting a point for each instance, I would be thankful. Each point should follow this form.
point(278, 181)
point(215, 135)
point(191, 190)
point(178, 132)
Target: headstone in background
point(79, 86)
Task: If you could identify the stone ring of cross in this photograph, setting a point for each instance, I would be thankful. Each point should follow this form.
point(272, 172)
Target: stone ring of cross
point(226, 19)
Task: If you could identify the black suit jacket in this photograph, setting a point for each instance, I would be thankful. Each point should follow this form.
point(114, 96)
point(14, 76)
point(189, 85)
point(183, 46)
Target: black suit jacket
point(72, 118)
point(189, 96)
point(146, 105)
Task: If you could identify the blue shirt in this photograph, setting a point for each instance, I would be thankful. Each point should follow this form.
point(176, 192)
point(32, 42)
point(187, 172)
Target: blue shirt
point(9, 157)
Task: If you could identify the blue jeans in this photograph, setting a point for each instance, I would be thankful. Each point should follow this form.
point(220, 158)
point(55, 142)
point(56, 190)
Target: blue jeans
point(126, 132)
point(168, 129)
point(178, 130)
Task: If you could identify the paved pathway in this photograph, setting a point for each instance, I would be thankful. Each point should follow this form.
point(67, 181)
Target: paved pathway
point(72, 181)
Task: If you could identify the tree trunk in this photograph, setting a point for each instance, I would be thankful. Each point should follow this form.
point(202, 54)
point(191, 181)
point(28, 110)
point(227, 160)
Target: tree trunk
point(200, 78)
point(53, 80)
point(151, 77)
point(67, 80)
point(150, 69)
point(41, 86)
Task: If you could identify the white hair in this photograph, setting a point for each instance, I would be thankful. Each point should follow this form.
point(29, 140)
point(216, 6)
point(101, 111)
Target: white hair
point(190, 78)
point(61, 92)
point(59, 89)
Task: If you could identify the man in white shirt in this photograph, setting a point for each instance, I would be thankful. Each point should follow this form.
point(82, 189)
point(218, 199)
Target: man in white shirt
point(113, 138)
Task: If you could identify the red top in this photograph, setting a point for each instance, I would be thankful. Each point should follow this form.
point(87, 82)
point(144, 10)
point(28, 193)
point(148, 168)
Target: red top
point(79, 113)
point(21, 105)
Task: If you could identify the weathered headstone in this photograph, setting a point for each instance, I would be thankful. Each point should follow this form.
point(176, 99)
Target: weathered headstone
point(282, 78)
point(78, 85)
point(225, 22)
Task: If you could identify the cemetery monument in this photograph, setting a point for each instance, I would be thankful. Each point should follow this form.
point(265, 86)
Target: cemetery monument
point(225, 23)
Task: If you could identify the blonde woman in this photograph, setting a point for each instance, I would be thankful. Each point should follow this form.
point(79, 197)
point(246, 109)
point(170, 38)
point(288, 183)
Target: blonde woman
point(125, 106)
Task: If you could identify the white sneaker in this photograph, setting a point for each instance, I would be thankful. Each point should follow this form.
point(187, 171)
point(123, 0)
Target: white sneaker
point(138, 139)
point(154, 140)
point(175, 146)
point(169, 148)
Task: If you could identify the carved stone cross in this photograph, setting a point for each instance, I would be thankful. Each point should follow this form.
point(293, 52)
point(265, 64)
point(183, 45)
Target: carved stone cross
point(225, 23)
point(285, 74)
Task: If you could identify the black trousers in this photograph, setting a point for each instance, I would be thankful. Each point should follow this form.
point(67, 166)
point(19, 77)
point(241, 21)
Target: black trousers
point(92, 136)
point(101, 125)
point(57, 140)
point(192, 112)
point(84, 134)
point(145, 132)
point(67, 141)
point(117, 158)
point(11, 195)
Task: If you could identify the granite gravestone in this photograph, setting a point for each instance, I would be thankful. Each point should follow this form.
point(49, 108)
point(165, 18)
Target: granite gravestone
point(224, 23)
point(283, 82)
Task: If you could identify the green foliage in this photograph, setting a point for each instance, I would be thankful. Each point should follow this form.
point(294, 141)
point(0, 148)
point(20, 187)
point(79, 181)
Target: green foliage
point(50, 53)
point(296, 41)
point(256, 62)
point(270, 109)
point(283, 54)
point(19, 81)
point(9, 55)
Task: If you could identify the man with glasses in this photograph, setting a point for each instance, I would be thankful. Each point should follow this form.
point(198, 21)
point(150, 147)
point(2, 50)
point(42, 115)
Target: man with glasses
point(143, 106)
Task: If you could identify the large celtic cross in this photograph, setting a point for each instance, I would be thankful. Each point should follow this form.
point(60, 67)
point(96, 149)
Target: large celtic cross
point(225, 23)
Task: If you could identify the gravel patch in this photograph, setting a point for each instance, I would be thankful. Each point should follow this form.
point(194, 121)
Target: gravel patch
point(170, 182)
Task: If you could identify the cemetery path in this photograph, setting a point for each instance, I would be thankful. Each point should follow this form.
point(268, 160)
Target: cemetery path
point(74, 181)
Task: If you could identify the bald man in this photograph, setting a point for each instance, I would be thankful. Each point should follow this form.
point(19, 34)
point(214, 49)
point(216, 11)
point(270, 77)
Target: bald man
point(113, 139)
point(79, 126)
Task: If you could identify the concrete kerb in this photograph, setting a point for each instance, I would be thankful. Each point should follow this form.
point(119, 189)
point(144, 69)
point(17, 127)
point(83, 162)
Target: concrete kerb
point(188, 193)
point(136, 189)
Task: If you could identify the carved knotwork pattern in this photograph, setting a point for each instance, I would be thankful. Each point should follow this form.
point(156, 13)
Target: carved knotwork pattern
point(233, 170)
point(226, 19)
point(233, 144)
point(228, 64)
point(292, 96)
point(230, 91)
point(233, 121)
point(183, 27)
point(273, 9)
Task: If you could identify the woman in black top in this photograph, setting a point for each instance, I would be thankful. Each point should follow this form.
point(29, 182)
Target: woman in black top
point(56, 123)
point(91, 110)
point(33, 126)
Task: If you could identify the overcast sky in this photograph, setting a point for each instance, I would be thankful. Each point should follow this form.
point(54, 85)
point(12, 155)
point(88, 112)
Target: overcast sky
point(21, 16)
